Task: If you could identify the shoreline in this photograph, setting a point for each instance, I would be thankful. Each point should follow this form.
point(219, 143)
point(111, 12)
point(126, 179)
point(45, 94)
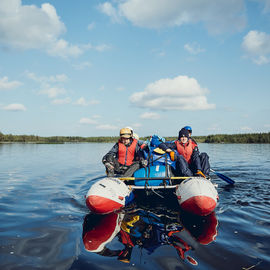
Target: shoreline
point(247, 138)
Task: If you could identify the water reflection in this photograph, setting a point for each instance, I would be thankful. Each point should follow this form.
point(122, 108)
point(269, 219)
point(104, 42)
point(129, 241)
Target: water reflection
point(147, 229)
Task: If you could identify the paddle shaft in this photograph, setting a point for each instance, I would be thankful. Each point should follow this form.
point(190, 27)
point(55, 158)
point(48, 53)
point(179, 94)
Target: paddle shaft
point(223, 177)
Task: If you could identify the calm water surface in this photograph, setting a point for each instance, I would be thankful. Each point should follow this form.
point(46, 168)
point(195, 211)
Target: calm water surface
point(43, 213)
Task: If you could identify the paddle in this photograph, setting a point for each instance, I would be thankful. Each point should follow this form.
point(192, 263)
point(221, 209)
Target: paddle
point(223, 177)
point(159, 151)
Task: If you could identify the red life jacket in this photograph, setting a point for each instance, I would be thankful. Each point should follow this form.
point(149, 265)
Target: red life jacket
point(186, 149)
point(126, 154)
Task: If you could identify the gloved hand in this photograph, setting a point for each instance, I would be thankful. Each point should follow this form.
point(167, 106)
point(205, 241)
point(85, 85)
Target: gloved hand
point(144, 162)
point(172, 156)
point(109, 166)
point(109, 169)
point(200, 173)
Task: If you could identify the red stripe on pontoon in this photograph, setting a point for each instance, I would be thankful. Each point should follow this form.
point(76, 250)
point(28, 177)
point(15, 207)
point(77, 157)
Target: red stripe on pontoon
point(199, 205)
point(101, 205)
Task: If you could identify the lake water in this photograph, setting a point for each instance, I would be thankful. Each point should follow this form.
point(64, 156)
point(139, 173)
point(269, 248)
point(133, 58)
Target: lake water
point(43, 216)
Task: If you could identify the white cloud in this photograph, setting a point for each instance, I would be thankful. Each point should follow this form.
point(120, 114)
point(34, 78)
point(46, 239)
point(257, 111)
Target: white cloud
point(257, 46)
point(63, 49)
point(179, 93)
point(91, 26)
point(82, 65)
point(82, 102)
point(161, 54)
point(193, 48)
point(61, 101)
point(30, 27)
point(120, 89)
point(94, 121)
point(88, 121)
point(52, 86)
point(150, 115)
point(99, 48)
point(93, 102)
point(217, 17)
point(14, 107)
point(59, 78)
point(102, 47)
point(109, 10)
point(158, 52)
point(52, 92)
point(27, 26)
point(6, 85)
point(266, 6)
point(47, 79)
point(107, 127)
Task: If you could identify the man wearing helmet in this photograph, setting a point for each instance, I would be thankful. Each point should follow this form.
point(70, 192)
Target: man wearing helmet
point(125, 157)
point(185, 151)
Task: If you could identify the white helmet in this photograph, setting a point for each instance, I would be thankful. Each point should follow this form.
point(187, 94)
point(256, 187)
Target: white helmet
point(136, 136)
point(130, 129)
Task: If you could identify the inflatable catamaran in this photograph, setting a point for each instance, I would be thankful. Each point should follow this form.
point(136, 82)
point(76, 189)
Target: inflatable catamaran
point(196, 195)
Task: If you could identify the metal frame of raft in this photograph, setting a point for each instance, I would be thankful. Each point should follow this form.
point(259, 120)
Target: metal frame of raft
point(156, 178)
point(163, 186)
point(152, 187)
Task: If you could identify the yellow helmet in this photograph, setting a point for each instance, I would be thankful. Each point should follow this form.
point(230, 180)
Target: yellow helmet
point(125, 133)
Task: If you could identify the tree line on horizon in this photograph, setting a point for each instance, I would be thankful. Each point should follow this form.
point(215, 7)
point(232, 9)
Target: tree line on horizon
point(218, 138)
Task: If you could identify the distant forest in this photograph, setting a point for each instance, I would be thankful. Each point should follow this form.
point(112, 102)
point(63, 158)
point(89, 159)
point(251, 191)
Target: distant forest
point(219, 138)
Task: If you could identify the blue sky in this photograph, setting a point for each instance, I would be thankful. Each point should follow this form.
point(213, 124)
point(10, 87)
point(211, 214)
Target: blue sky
point(89, 68)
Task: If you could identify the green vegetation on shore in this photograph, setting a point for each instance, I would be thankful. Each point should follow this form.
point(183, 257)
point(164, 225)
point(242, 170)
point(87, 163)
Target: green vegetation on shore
point(233, 138)
point(219, 138)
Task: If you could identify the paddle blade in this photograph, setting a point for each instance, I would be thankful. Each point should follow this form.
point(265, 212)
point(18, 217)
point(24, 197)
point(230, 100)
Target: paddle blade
point(159, 151)
point(224, 177)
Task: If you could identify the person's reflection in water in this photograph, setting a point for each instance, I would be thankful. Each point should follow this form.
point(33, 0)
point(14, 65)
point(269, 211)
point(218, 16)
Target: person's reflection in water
point(148, 231)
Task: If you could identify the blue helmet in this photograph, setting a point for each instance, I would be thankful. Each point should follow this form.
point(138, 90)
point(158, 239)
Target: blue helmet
point(156, 140)
point(188, 128)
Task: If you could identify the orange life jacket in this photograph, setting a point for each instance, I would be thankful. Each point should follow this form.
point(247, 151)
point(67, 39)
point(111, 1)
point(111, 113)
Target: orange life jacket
point(186, 149)
point(126, 154)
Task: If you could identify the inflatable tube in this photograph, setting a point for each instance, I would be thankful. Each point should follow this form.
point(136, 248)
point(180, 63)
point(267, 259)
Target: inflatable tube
point(108, 195)
point(197, 196)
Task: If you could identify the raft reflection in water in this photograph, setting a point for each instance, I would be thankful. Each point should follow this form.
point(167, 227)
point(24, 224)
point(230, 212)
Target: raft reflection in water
point(148, 230)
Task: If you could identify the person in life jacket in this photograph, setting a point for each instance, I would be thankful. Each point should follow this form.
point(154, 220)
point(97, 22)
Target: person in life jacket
point(125, 157)
point(189, 129)
point(185, 151)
